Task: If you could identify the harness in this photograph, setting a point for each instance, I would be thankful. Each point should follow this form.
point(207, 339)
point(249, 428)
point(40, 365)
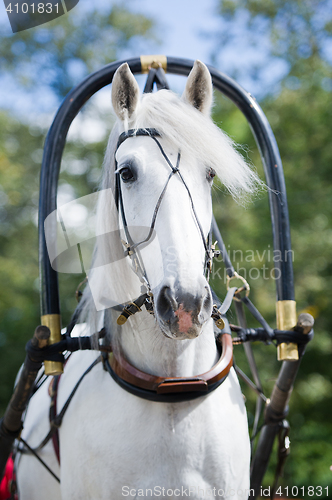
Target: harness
point(169, 389)
point(133, 380)
point(276, 408)
point(153, 387)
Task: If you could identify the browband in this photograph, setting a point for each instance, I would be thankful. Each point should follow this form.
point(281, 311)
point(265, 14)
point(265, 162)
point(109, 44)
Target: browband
point(133, 132)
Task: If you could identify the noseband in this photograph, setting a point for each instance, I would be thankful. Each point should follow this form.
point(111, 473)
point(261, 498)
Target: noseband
point(131, 247)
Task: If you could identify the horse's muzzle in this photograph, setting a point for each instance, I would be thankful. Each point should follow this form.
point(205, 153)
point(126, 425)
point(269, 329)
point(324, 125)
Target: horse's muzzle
point(181, 315)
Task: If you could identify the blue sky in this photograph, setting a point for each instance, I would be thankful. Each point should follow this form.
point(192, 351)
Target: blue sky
point(181, 24)
point(185, 28)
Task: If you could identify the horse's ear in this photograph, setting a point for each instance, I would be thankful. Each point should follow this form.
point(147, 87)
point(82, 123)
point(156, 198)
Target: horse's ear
point(125, 93)
point(198, 91)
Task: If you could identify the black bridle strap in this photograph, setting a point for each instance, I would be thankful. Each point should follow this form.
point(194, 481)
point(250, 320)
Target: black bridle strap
point(132, 248)
point(133, 132)
point(151, 132)
point(123, 215)
point(176, 170)
point(157, 76)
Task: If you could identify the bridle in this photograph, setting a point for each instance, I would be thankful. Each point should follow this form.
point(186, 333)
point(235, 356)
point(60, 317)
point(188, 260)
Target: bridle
point(132, 249)
point(144, 385)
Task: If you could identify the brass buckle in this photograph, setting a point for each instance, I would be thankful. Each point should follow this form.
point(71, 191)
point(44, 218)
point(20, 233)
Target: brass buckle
point(127, 246)
point(219, 322)
point(245, 286)
point(126, 313)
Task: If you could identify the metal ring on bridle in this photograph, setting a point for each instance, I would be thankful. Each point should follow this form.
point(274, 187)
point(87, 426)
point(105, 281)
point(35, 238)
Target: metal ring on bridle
point(246, 286)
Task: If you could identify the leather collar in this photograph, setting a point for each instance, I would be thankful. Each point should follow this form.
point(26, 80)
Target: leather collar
point(171, 389)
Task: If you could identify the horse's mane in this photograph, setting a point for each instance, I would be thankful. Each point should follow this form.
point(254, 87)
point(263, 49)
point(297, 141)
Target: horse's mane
point(190, 131)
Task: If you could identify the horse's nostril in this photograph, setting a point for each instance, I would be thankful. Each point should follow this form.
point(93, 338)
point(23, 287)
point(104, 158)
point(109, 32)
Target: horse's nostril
point(175, 308)
point(206, 308)
point(166, 303)
point(207, 302)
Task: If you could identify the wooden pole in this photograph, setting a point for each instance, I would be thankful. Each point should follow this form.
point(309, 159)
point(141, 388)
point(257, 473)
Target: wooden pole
point(11, 423)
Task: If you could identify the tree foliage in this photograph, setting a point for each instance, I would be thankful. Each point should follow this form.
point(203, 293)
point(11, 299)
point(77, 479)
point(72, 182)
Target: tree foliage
point(274, 38)
point(296, 33)
point(59, 54)
point(299, 32)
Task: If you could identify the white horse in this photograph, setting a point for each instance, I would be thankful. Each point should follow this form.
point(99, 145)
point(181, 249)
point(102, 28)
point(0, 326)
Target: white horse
point(114, 444)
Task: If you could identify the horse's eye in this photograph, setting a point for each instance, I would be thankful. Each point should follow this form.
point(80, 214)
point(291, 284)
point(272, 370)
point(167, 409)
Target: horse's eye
point(126, 174)
point(211, 174)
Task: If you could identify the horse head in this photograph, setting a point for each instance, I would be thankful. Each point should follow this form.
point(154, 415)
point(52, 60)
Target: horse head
point(162, 157)
point(164, 178)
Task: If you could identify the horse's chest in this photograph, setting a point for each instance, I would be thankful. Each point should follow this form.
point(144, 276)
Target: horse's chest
point(138, 433)
point(139, 454)
point(120, 440)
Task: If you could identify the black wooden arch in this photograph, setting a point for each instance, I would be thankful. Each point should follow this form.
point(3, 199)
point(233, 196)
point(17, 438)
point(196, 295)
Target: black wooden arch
point(53, 150)
point(56, 139)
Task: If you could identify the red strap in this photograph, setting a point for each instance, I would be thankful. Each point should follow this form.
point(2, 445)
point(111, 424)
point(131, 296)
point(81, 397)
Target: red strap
point(5, 490)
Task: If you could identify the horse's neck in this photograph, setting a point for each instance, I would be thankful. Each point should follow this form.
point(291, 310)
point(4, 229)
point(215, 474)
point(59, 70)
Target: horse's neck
point(144, 345)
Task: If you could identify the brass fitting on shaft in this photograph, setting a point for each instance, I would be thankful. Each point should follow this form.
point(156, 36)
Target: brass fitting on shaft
point(53, 321)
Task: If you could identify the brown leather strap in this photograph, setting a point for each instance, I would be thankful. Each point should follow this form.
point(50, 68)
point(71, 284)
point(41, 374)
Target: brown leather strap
point(164, 385)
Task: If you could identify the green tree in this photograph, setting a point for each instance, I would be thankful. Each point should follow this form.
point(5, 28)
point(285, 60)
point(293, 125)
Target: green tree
point(19, 193)
point(277, 37)
point(299, 110)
